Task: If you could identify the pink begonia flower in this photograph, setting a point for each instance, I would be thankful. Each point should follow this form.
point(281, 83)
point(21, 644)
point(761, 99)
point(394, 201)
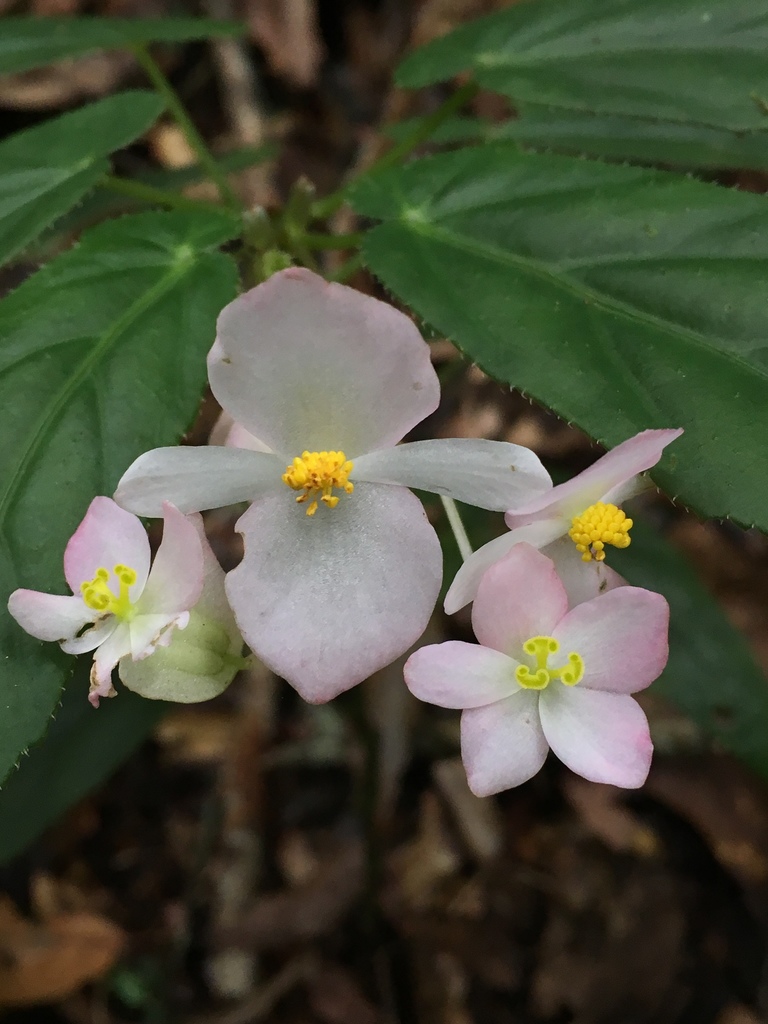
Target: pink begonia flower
point(341, 568)
point(573, 522)
point(120, 607)
point(545, 677)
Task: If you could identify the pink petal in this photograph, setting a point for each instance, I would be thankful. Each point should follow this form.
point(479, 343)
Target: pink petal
point(502, 744)
point(233, 435)
point(616, 467)
point(467, 579)
point(327, 600)
point(460, 675)
point(176, 578)
point(518, 597)
point(303, 364)
point(582, 580)
point(108, 536)
point(622, 637)
point(603, 737)
point(49, 616)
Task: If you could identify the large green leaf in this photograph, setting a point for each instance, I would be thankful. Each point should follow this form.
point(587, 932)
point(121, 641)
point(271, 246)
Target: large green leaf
point(46, 170)
point(622, 298)
point(710, 675)
point(29, 42)
point(82, 747)
point(681, 60)
point(102, 356)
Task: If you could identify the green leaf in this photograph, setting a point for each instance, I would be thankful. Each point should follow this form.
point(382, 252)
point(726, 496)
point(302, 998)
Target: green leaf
point(711, 675)
point(31, 42)
point(82, 747)
point(46, 170)
point(102, 356)
point(684, 61)
point(621, 298)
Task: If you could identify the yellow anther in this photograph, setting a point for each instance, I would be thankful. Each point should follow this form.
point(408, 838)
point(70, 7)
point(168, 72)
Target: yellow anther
point(98, 595)
point(316, 474)
point(541, 675)
point(599, 525)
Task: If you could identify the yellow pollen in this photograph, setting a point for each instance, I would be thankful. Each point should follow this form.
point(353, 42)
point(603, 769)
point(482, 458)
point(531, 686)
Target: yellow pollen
point(601, 524)
point(316, 474)
point(538, 678)
point(98, 595)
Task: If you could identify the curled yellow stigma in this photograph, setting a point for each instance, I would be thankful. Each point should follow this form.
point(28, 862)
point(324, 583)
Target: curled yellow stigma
point(316, 474)
point(98, 595)
point(538, 678)
point(601, 524)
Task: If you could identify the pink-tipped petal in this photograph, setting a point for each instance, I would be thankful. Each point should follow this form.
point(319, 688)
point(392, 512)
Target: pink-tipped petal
point(49, 616)
point(603, 737)
point(107, 536)
point(326, 600)
point(488, 474)
point(303, 364)
point(622, 637)
point(612, 470)
point(460, 675)
point(467, 579)
point(198, 478)
point(115, 647)
point(582, 580)
point(176, 577)
point(519, 597)
point(502, 744)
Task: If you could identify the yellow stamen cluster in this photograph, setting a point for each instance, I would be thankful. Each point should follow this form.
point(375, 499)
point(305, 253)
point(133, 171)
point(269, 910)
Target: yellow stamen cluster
point(601, 524)
point(317, 474)
point(98, 595)
point(540, 648)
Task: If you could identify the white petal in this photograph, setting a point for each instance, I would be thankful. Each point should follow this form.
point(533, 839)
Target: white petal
point(460, 675)
point(502, 744)
point(176, 578)
point(198, 478)
point(326, 600)
point(489, 474)
point(582, 580)
point(93, 637)
point(303, 364)
point(107, 536)
point(149, 631)
point(107, 655)
point(49, 616)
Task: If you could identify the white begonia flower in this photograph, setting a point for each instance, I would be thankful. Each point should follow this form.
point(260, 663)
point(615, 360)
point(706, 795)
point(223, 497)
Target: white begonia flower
point(341, 569)
point(573, 522)
point(120, 607)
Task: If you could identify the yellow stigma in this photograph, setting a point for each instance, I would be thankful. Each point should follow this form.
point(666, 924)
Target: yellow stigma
point(538, 678)
point(316, 474)
point(601, 524)
point(98, 595)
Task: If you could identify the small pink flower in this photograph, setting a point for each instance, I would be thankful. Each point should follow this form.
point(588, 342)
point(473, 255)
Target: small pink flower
point(545, 677)
point(573, 522)
point(120, 607)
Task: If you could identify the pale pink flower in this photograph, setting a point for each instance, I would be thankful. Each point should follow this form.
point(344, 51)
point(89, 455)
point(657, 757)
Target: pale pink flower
point(545, 677)
point(341, 569)
point(120, 607)
point(573, 522)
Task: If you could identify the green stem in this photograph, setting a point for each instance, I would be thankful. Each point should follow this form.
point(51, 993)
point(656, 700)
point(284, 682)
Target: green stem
point(192, 135)
point(150, 195)
point(330, 204)
point(454, 520)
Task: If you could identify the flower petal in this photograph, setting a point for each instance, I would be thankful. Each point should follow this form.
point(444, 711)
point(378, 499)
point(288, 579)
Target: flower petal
point(148, 632)
point(603, 737)
point(518, 597)
point(489, 474)
point(198, 478)
point(467, 579)
point(115, 647)
point(303, 364)
point(91, 638)
point(107, 536)
point(176, 577)
point(460, 675)
point(226, 432)
point(502, 744)
point(49, 616)
point(582, 580)
point(326, 600)
point(615, 468)
point(622, 637)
